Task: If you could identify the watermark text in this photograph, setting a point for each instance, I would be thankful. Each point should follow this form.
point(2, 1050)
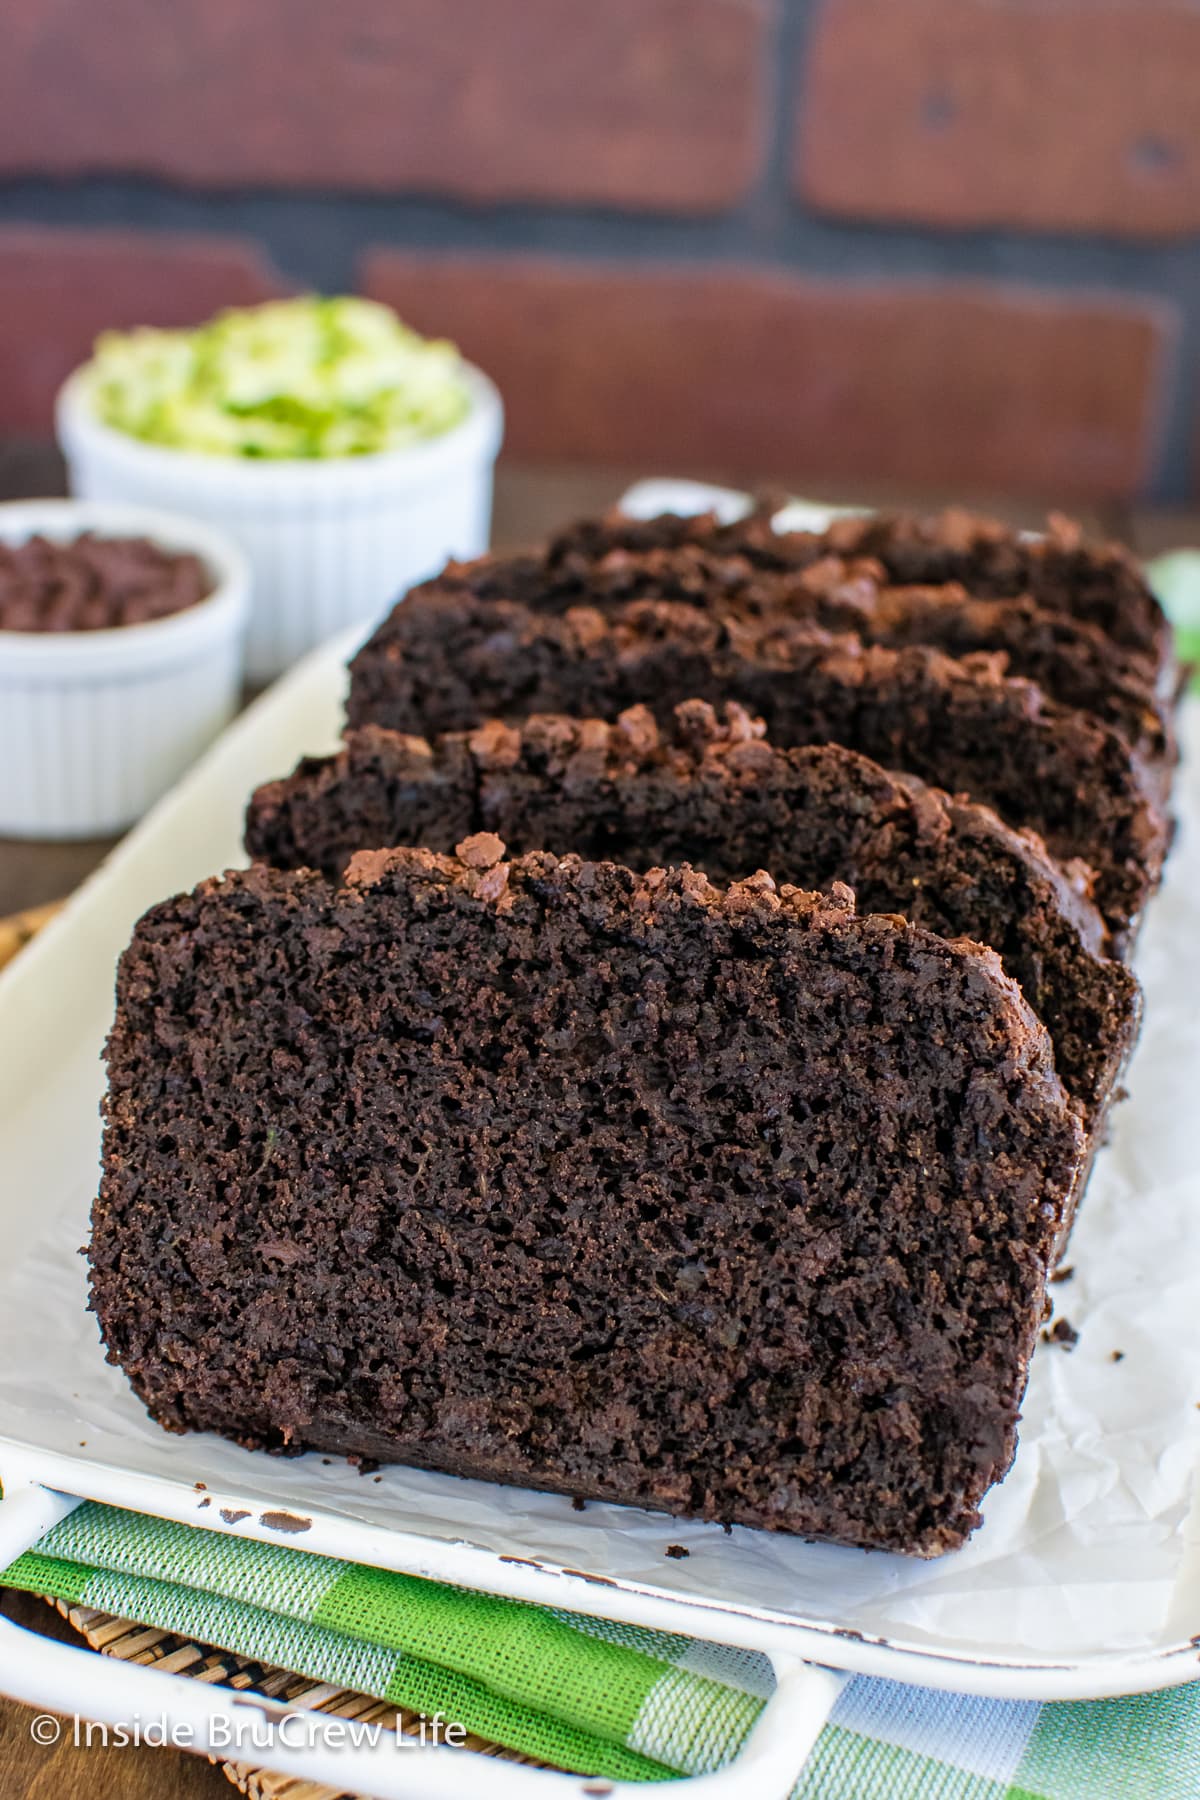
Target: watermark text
point(248, 1730)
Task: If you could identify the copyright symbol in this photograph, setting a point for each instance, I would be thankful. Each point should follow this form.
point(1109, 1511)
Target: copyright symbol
point(45, 1729)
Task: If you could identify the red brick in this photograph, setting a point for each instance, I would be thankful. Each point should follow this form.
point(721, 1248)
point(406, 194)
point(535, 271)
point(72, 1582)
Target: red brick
point(59, 288)
point(739, 371)
point(640, 103)
point(1072, 115)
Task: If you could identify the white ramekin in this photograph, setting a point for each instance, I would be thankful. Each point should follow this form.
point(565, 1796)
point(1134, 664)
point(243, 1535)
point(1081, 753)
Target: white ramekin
point(95, 725)
point(331, 543)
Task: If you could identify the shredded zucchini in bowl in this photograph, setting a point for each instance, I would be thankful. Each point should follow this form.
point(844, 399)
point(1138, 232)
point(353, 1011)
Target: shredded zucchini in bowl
point(308, 378)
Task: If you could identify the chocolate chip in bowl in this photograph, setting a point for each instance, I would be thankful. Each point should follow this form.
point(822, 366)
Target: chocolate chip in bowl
point(121, 650)
point(95, 583)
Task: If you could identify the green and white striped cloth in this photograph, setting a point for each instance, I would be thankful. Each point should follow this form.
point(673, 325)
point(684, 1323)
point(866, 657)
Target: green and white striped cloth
point(602, 1699)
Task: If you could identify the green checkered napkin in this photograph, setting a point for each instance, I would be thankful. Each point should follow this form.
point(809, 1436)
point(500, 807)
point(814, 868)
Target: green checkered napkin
point(584, 1694)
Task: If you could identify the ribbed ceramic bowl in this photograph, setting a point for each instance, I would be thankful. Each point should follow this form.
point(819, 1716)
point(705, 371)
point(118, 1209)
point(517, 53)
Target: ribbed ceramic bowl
point(96, 725)
point(331, 543)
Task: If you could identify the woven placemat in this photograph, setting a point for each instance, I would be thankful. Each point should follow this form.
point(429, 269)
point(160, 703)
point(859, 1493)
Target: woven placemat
point(18, 929)
point(180, 1656)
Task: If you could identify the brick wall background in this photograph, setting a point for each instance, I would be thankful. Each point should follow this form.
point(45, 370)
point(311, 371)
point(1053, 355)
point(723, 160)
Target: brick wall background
point(952, 243)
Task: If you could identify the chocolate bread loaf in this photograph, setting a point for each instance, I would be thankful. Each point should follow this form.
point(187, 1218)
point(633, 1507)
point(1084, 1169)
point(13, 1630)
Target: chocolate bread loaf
point(453, 655)
point(715, 793)
point(729, 1202)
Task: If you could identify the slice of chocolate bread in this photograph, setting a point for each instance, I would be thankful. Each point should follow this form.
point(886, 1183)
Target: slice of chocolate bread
point(732, 1203)
point(1073, 662)
point(451, 656)
point(717, 795)
point(1099, 584)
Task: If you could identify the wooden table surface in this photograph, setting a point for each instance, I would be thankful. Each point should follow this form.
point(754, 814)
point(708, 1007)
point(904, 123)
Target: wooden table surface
point(529, 502)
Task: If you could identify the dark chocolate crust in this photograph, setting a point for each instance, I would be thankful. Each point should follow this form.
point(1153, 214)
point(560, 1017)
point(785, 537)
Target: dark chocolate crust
point(498, 639)
point(732, 1203)
point(714, 793)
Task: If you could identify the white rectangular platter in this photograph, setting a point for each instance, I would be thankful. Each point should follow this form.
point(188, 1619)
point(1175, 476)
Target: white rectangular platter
point(1085, 1577)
